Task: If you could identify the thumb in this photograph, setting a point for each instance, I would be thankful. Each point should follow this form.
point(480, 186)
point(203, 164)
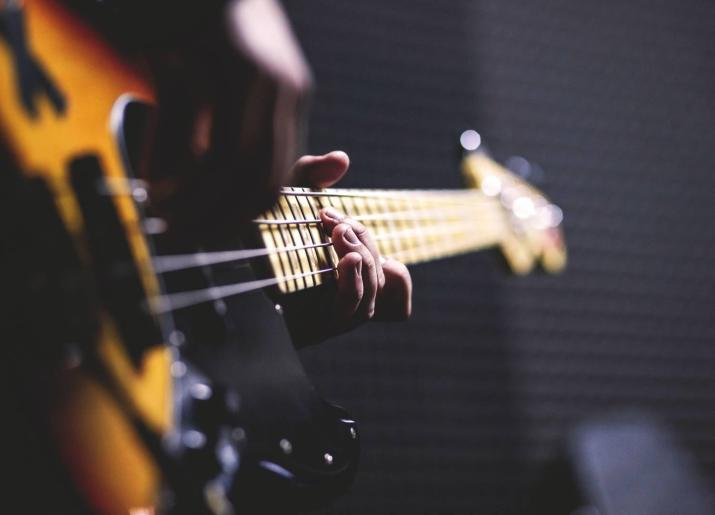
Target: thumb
point(321, 171)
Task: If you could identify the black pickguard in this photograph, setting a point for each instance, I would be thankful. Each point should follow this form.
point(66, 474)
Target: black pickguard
point(251, 423)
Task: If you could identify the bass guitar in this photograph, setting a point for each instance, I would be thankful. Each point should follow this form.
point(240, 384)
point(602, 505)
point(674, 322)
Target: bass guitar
point(131, 386)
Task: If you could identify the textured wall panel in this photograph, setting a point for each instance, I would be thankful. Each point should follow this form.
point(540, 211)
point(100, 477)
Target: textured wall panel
point(461, 406)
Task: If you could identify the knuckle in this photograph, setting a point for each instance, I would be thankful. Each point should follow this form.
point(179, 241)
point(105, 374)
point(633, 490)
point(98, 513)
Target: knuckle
point(352, 299)
point(369, 263)
point(303, 160)
point(339, 230)
point(365, 315)
point(357, 293)
point(359, 228)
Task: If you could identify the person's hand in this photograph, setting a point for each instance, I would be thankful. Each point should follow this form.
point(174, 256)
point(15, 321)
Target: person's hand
point(369, 286)
point(230, 109)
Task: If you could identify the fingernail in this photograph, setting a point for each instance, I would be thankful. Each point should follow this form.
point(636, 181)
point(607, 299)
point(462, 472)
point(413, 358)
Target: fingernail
point(333, 214)
point(358, 269)
point(349, 236)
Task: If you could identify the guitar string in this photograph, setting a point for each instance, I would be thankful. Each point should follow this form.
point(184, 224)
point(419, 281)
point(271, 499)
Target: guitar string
point(179, 300)
point(174, 301)
point(121, 187)
point(297, 258)
point(409, 233)
point(177, 262)
point(438, 249)
point(432, 248)
point(314, 234)
point(161, 304)
point(398, 215)
point(399, 195)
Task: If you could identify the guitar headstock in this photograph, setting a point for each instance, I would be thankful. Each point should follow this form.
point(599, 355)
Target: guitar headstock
point(533, 233)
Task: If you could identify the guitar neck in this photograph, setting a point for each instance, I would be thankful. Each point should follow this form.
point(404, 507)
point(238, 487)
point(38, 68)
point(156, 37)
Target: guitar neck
point(409, 225)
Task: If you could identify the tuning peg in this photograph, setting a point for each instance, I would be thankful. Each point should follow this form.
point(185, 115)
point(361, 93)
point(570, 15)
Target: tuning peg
point(470, 140)
point(527, 170)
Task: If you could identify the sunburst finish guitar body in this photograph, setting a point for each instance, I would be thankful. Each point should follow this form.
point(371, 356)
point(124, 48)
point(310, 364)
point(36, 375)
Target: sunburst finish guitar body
point(45, 143)
point(114, 388)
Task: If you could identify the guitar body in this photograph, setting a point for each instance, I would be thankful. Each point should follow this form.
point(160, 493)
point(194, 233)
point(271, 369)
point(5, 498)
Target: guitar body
point(92, 434)
point(207, 411)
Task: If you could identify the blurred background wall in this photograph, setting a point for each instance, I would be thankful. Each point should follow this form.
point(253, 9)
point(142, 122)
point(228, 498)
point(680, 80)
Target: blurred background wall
point(461, 407)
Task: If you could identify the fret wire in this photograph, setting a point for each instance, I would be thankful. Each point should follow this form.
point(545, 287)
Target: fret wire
point(399, 224)
point(329, 253)
point(411, 240)
point(461, 249)
point(403, 238)
point(459, 245)
point(444, 217)
point(437, 246)
point(285, 258)
point(358, 207)
point(434, 230)
point(276, 260)
point(440, 240)
point(420, 241)
point(454, 232)
point(341, 200)
point(296, 233)
point(296, 261)
point(299, 231)
point(316, 205)
point(373, 219)
point(313, 258)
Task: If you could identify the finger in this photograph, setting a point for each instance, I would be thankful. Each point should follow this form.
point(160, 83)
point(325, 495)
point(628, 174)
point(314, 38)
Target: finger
point(395, 299)
point(345, 241)
point(350, 287)
point(321, 171)
point(332, 217)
